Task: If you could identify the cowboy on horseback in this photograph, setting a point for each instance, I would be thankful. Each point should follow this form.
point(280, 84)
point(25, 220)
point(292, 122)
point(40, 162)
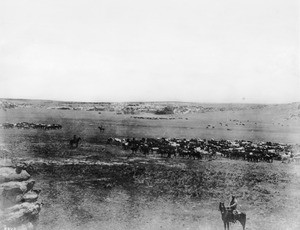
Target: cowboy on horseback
point(75, 141)
point(231, 215)
point(233, 207)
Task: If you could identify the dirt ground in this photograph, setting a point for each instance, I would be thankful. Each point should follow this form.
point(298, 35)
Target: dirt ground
point(267, 193)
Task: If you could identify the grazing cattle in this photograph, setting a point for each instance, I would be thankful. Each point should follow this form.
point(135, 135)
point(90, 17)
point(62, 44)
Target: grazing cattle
point(167, 151)
point(268, 158)
point(253, 157)
point(296, 159)
point(115, 141)
point(145, 149)
point(227, 216)
point(101, 129)
point(109, 140)
point(206, 155)
point(7, 125)
point(286, 158)
point(195, 154)
point(58, 126)
point(48, 127)
point(225, 153)
point(118, 141)
point(154, 149)
point(26, 125)
point(174, 144)
point(125, 145)
point(53, 127)
point(42, 126)
point(134, 148)
point(198, 149)
point(183, 152)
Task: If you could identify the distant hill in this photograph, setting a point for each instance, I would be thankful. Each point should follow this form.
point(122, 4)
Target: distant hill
point(293, 109)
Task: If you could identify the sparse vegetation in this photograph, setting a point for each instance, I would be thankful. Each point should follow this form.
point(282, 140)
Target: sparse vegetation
point(96, 180)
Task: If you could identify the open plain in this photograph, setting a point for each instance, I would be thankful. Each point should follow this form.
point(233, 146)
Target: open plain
point(101, 184)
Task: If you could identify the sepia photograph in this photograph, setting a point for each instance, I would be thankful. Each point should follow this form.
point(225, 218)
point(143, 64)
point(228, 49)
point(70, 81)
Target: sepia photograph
point(149, 115)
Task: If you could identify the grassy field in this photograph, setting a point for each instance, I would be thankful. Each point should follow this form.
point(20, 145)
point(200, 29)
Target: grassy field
point(79, 184)
point(268, 124)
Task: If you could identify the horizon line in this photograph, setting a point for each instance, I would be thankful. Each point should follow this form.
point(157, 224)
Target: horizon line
point(162, 101)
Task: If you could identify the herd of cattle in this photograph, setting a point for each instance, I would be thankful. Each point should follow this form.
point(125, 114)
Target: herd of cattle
point(27, 125)
point(155, 118)
point(210, 149)
point(193, 148)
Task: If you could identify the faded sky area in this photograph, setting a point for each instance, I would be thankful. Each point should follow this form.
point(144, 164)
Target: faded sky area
point(158, 50)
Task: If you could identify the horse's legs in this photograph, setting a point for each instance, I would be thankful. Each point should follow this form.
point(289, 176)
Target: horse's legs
point(242, 220)
point(227, 225)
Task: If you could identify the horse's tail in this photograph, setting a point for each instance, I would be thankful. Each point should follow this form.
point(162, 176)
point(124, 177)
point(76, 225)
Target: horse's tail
point(220, 206)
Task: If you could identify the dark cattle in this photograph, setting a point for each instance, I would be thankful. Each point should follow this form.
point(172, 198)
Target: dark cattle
point(101, 129)
point(125, 145)
point(268, 158)
point(195, 154)
point(134, 148)
point(26, 125)
point(145, 149)
point(167, 151)
point(183, 152)
point(154, 149)
point(237, 154)
point(253, 157)
point(205, 149)
point(53, 126)
point(109, 140)
point(7, 125)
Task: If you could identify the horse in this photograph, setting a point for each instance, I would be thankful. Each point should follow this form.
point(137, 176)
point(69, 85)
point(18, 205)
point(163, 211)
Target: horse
point(75, 141)
point(227, 216)
point(101, 128)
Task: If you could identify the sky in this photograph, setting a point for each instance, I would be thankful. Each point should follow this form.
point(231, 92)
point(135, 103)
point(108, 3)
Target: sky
point(214, 51)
